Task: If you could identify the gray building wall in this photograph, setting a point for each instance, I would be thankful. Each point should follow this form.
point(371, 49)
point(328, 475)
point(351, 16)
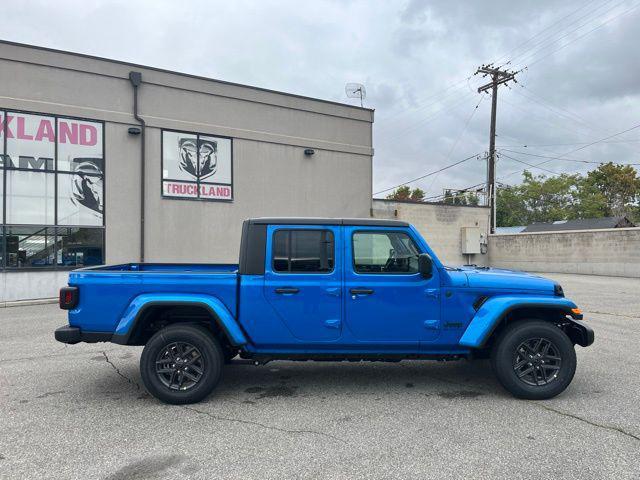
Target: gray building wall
point(439, 224)
point(613, 252)
point(270, 130)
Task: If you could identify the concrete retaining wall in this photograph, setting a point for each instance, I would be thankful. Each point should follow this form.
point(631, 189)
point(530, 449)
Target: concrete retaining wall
point(439, 224)
point(613, 252)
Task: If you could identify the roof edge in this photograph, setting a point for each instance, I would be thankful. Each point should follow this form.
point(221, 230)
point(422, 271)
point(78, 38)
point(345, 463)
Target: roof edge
point(184, 74)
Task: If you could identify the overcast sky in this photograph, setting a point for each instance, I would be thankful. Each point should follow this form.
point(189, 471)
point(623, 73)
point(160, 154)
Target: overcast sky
point(414, 57)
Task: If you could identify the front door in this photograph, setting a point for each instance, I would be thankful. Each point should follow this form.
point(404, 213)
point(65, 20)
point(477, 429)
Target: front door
point(303, 280)
point(387, 301)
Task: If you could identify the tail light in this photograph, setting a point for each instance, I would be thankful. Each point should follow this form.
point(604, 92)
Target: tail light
point(69, 297)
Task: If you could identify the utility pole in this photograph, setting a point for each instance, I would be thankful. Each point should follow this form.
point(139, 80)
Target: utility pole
point(498, 77)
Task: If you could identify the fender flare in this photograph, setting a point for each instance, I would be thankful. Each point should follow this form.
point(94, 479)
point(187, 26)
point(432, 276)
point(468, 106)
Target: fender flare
point(491, 313)
point(221, 315)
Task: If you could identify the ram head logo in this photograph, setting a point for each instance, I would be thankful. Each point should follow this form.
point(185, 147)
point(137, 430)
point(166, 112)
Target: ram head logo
point(198, 158)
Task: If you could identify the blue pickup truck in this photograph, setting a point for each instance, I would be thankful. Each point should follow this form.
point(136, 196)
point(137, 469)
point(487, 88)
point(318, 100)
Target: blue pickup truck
point(326, 289)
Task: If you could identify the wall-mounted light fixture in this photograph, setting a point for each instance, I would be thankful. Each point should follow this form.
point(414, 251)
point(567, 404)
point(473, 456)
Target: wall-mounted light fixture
point(309, 151)
point(134, 130)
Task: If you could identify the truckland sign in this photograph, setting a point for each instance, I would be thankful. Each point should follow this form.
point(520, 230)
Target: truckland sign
point(43, 150)
point(196, 166)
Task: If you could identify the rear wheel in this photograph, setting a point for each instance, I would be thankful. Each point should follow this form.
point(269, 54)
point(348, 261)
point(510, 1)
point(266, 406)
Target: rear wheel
point(181, 364)
point(534, 359)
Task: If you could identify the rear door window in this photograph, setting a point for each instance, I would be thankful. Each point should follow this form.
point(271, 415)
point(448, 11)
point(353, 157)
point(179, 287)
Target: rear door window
point(303, 251)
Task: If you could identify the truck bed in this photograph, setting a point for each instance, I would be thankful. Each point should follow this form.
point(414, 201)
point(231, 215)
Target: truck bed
point(106, 291)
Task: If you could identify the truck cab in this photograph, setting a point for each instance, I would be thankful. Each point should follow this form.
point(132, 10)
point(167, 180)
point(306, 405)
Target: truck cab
point(326, 289)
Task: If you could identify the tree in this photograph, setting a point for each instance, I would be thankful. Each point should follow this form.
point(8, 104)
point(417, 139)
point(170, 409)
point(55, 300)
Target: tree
point(609, 190)
point(405, 193)
point(417, 195)
point(618, 186)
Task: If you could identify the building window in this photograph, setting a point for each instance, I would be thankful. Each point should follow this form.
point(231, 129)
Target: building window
point(303, 251)
point(197, 166)
point(30, 246)
point(384, 252)
point(51, 191)
point(79, 247)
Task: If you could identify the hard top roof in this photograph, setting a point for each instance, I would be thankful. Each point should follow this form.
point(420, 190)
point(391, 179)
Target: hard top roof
point(374, 222)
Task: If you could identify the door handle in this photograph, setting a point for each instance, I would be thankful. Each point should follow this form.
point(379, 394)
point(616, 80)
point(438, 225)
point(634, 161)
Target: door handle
point(432, 292)
point(361, 291)
point(287, 290)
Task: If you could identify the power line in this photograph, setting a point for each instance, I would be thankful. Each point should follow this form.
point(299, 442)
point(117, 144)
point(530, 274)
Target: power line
point(529, 145)
point(550, 40)
point(430, 117)
point(462, 132)
point(580, 148)
point(562, 158)
point(547, 119)
point(394, 118)
point(529, 164)
point(584, 35)
point(506, 55)
point(475, 155)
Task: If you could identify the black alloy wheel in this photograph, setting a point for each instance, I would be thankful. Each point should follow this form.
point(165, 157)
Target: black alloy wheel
point(533, 359)
point(182, 363)
point(537, 361)
point(180, 366)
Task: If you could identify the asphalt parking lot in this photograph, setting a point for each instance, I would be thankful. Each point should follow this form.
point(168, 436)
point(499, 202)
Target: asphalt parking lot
point(81, 411)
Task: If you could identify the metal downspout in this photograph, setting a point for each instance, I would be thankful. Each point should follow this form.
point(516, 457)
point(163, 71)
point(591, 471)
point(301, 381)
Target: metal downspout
point(136, 80)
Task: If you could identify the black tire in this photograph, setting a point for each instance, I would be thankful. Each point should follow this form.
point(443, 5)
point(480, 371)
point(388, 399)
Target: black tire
point(526, 374)
point(174, 379)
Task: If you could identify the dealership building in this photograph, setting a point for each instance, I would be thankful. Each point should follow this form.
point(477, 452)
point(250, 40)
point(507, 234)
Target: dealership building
point(104, 161)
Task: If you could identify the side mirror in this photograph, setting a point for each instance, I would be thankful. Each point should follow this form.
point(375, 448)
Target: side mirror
point(425, 265)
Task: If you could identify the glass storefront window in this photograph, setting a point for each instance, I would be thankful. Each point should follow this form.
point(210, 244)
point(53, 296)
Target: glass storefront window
point(51, 191)
point(80, 200)
point(80, 247)
point(29, 246)
point(31, 141)
point(30, 197)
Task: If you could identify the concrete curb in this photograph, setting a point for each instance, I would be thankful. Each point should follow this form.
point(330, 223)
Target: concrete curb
point(24, 303)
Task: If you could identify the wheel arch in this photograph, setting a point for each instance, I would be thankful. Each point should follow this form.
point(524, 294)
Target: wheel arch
point(148, 313)
point(498, 312)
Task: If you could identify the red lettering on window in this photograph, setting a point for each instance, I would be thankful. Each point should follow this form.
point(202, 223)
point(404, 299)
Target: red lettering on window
point(68, 133)
point(88, 135)
point(22, 135)
point(45, 130)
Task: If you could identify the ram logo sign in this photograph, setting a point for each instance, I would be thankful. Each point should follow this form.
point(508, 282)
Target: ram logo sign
point(196, 166)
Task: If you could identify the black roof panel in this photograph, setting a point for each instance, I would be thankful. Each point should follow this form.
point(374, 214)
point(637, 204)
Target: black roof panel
point(373, 222)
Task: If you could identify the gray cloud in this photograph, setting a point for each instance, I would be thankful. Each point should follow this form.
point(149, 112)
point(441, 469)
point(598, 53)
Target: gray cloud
point(413, 56)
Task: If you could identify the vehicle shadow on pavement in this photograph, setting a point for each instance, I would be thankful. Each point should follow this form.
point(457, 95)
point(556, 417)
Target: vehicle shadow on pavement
point(322, 379)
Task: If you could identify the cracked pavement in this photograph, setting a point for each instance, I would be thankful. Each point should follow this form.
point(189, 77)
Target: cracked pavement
point(82, 412)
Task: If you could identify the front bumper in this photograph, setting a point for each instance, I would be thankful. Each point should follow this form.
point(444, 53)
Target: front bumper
point(580, 332)
point(72, 335)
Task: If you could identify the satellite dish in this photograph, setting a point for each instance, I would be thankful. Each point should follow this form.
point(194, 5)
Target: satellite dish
point(356, 90)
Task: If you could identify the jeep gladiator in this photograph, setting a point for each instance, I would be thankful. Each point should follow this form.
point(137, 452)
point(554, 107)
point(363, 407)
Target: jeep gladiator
point(326, 289)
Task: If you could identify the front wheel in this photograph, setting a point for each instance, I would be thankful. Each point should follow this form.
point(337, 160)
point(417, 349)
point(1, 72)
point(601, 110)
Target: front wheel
point(534, 359)
point(181, 364)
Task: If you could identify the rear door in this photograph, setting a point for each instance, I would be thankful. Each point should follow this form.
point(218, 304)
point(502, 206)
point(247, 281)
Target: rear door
point(387, 301)
point(303, 279)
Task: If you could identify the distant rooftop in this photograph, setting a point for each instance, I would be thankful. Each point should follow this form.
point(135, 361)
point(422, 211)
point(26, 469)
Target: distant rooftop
point(506, 230)
point(580, 224)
